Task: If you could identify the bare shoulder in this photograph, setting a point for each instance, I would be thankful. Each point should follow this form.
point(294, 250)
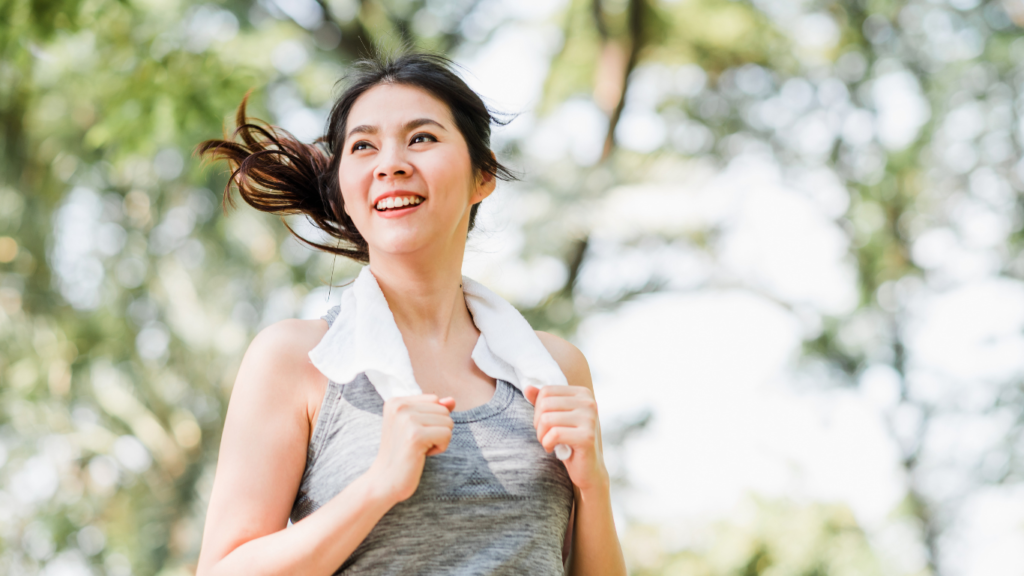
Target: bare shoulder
point(276, 365)
point(569, 358)
point(288, 341)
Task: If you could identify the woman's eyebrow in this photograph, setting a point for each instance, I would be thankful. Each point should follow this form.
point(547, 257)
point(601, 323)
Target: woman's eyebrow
point(363, 129)
point(410, 125)
point(414, 124)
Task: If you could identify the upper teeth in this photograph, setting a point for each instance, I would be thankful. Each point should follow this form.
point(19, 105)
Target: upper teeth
point(398, 202)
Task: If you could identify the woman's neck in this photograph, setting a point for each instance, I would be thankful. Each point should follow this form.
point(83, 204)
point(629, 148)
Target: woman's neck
point(425, 298)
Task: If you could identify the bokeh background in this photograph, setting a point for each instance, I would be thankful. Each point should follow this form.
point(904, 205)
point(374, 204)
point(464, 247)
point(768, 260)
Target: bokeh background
point(786, 233)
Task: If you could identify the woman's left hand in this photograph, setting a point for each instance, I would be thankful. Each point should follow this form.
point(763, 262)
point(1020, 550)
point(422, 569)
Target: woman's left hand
point(568, 415)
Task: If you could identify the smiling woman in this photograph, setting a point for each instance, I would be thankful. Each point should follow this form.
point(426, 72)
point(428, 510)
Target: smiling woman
point(275, 173)
point(347, 425)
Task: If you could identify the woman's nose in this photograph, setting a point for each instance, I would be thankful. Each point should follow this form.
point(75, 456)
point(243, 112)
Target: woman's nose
point(392, 163)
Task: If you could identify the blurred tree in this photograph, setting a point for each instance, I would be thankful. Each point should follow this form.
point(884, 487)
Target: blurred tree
point(773, 538)
point(914, 109)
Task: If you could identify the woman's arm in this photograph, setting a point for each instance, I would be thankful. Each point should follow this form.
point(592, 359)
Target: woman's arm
point(570, 416)
point(261, 462)
point(263, 457)
point(595, 544)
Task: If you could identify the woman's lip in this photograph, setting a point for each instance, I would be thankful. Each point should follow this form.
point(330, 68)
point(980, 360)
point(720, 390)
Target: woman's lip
point(395, 194)
point(397, 213)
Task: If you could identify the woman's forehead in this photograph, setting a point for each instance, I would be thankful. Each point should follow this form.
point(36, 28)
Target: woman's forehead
point(392, 106)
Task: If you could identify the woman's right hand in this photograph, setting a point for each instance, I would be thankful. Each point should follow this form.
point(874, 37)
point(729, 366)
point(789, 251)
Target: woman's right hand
point(414, 427)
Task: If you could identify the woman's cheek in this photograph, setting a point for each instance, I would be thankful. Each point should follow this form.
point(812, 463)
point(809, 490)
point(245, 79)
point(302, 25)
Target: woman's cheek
point(353, 194)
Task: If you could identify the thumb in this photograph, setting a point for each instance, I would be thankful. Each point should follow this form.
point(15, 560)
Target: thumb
point(448, 403)
point(531, 393)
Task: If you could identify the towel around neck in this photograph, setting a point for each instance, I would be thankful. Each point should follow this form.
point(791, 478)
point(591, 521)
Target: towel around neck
point(365, 338)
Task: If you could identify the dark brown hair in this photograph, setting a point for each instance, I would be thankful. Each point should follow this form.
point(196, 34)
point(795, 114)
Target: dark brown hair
point(274, 172)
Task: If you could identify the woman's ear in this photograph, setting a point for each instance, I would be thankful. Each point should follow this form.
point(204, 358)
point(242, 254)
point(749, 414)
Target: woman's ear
point(486, 182)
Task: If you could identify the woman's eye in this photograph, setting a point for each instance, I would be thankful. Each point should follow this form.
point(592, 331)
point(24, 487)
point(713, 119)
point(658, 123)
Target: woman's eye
point(361, 145)
point(423, 138)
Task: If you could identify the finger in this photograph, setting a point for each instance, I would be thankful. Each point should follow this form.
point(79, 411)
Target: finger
point(583, 399)
point(432, 419)
point(549, 420)
point(560, 403)
point(577, 438)
point(558, 390)
point(448, 403)
point(531, 393)
point(556, 404)
point(432, 408)
point(428, 435)
point(437, 439)
point(403, 403)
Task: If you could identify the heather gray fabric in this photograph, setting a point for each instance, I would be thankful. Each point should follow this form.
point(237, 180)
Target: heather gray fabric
point(494, 503)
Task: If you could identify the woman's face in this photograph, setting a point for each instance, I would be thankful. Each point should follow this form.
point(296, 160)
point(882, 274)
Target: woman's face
point(403, 150)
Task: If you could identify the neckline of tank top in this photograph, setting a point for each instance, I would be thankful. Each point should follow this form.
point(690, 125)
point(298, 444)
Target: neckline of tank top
point(508, 349)
point(500, 400)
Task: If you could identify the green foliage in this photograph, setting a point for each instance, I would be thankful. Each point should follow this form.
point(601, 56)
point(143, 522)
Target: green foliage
point(776, 538)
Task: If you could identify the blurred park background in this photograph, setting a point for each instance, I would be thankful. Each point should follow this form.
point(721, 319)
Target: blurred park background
point(786, 233)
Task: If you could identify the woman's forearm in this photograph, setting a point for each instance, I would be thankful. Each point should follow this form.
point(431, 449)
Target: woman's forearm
point(595, 546)
point(316, 545)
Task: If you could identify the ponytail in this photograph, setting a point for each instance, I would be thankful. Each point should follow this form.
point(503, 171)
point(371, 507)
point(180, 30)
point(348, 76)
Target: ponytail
point(276, 173)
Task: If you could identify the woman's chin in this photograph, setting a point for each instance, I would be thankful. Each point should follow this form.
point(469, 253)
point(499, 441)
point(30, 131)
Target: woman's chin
point(408, 240)
point(399, 245)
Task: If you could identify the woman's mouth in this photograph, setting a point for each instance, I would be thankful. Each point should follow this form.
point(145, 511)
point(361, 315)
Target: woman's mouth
point(397, 205)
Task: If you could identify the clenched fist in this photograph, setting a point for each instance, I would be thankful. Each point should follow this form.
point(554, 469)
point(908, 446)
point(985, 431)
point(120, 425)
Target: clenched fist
point(414, 427)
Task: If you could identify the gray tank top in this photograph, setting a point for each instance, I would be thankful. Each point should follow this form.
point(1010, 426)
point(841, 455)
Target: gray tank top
point(494, 503)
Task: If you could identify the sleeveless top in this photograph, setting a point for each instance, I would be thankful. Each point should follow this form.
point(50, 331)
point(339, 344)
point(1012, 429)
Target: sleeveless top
point(494, 503)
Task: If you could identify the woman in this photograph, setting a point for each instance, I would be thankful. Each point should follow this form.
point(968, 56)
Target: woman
point(382, 483)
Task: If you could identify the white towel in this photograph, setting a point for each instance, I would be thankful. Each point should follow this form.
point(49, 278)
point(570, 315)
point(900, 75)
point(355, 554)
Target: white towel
point(365, 338)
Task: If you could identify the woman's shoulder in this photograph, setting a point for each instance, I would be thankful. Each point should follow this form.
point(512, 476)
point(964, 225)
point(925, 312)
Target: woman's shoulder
point(281, 351)
point(276, 374)
point(568, 357)
point(291, 337)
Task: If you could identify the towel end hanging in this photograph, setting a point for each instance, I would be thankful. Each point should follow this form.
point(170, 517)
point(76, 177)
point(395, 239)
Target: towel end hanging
point(563, 451)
